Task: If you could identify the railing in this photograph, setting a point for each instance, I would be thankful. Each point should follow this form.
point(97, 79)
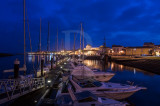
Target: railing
point(14, 88)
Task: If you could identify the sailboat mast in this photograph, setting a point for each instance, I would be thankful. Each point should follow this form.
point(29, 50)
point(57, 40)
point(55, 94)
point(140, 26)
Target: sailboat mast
point(83, 49)
point(74, 47)
point(80, 37)
point(40, 37)
point(24, 33)
point(62, 48)
point(48, 44)
point(57, 39)
point(83, 44)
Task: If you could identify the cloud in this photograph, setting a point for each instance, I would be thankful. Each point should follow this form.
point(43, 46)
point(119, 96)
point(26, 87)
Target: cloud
point(119, 20)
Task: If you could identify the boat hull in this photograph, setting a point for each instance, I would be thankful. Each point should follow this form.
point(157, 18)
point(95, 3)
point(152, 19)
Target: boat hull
point(103, 78)
point(100, 78)
point(116, 95)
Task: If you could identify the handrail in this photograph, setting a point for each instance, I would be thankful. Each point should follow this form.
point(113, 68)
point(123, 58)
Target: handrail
point(14, 88)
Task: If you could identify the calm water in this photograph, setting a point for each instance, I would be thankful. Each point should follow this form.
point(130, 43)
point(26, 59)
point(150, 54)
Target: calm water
point(32, 62)
point(149, 97)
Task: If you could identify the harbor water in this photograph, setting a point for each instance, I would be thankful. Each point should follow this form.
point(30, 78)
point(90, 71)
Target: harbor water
point(149, 97)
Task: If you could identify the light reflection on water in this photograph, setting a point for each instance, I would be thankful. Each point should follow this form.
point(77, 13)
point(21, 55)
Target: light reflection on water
point(32, 62)
point(149, 97)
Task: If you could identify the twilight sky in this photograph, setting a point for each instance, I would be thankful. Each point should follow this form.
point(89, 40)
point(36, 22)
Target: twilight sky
point(122, 22)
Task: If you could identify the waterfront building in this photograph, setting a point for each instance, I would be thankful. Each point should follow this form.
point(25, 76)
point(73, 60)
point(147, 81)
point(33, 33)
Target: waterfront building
point(139, 51)
point(117, 50)
point(92, 51)
point(157, 50)
point(148, 49)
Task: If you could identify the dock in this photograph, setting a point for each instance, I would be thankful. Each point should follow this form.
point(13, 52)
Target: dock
point(27, 96)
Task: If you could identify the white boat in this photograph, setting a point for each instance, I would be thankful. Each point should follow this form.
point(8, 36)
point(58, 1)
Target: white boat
point(85, 98)
point(82, 71)
point(109, 90)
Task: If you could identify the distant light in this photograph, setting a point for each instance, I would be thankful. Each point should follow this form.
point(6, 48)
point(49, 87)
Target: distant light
point(35, 101)
point(61, 67)
point(64, 63)
point(49, 81)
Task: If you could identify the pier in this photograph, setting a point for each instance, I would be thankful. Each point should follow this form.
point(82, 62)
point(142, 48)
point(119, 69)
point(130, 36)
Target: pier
point(30, 91)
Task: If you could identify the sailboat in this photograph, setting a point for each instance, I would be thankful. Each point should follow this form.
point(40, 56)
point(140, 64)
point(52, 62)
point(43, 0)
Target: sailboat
point(24, 68)
point(81, 71)
point(45, 69)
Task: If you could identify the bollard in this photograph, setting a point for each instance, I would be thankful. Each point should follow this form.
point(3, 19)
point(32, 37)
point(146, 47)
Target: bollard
point(42, 65)
point(52, 63)
point(16, 68)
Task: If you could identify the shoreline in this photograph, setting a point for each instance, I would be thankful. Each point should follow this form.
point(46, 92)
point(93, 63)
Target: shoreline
point(5, 54)
point(150, 65)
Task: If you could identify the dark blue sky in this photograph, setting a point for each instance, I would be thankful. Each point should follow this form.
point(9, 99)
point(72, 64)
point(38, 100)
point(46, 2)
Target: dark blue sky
point(122, 22)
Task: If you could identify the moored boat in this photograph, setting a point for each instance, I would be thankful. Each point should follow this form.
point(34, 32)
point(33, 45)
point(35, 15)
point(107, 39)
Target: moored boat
point(85, 98)
point(109, 90)
point(82, 71)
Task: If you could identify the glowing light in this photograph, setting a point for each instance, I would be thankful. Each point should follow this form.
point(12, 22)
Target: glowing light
point(121, 51)
point(134, 71)
point(49, 81)
point(112, 66)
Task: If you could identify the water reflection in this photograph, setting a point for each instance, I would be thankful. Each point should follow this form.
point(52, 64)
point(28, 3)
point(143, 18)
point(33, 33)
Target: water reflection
point(111, 66)
point(31, 58)
point(32, 63)
point(149, 97)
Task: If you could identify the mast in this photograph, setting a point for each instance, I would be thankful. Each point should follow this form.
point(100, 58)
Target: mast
point(29, 31)
point(57, 39)
point(74, 48)
point(40, 37)
point(83, 50)
point(48, 41)
point(62, 47)
point(83, 44)
point(24, 33)
point(104, 44)
point(80, 37)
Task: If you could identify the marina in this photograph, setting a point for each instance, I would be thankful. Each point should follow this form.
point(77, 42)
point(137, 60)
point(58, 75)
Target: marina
point(67, 53)
point(123, 75)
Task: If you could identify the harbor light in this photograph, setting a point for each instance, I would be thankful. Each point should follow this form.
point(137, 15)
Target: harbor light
point(49, 81)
